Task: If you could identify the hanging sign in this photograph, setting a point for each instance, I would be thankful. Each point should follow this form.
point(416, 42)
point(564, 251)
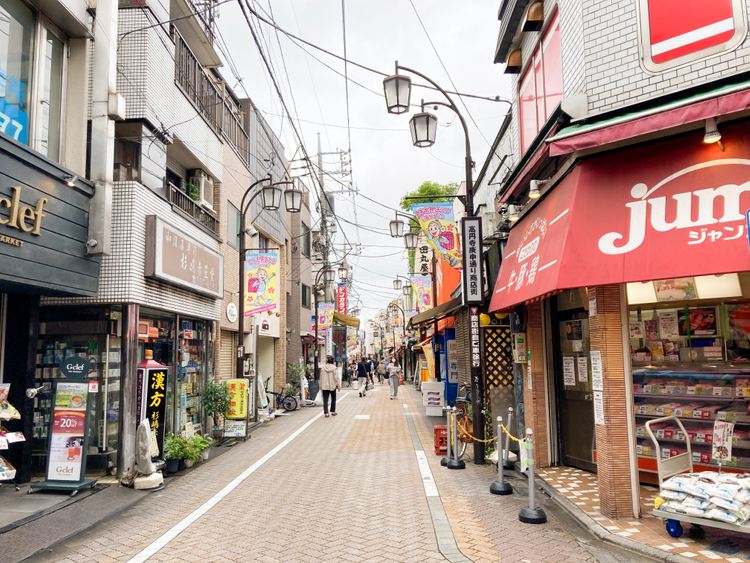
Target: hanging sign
point(325, 314)
point(439, 228)
point(473, 280)
point(238, 398)
point(153, 402)
point(261, 279)
point(722, 443)
point(398, 336)
point(67, 444)
point(341, 299)
point(422, 256)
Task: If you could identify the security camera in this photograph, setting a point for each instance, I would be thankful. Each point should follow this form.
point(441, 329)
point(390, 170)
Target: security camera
point(252, 231)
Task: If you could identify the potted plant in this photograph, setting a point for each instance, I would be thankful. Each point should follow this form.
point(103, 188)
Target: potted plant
point(203, 445)
point(193, 192)
point(191, 450)
point(172, 451)
point(215, 402)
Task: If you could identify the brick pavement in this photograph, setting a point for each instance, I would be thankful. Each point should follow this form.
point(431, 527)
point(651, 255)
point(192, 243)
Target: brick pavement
point(345, 489)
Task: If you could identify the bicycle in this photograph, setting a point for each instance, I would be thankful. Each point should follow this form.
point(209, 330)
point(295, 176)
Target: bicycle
point(464, 427)
point(288, 402)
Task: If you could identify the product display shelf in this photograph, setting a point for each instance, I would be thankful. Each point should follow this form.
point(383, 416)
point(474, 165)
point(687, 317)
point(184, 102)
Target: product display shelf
point(675, 396)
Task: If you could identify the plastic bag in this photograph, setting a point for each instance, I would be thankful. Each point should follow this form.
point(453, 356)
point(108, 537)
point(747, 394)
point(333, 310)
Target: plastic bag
point(723, 516)
point(677, 483)
point(697, 502)
point(673, 495)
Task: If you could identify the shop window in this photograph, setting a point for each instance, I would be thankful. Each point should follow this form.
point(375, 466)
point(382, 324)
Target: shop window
point(305, 240)
point(19, 92)
point(233, 226)
point(306, 297)
point(541, 85)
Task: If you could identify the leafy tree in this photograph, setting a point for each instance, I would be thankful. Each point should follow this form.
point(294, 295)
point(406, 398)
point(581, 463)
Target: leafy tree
point(427, 189)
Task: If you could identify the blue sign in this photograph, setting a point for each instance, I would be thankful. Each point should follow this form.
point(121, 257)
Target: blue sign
point(13, 122)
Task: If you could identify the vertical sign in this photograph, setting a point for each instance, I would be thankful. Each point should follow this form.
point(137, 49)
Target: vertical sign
point(439, 227)
point(597, 371)
point(422, 286)
point(599, 408)
point(423, 256)
point(68, 434)
point(722, 443)
point(473, 280)
point(398, 336)
point(237, 398)
point(341, 299)
point(452, 361)
point(262, 282)
point(154, 406)
point(474, 351)
point(325, 314)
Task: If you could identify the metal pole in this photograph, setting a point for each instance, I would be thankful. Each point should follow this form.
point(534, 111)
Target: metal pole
point(531, 514)
point(448, 454)
point(435, 351)
point(500, 487)
point(129, 391)
point(507, 464)
point(455, 463)
point(315, 344)
point(240, 365)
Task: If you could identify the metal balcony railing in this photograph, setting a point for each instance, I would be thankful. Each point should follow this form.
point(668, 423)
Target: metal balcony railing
point(182, 201)
point(198, 87)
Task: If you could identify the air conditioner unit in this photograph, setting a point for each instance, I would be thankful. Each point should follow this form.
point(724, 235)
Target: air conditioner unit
point(205, 184)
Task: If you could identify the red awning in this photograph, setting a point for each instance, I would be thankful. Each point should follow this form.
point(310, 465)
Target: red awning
point(636, 126)
point(665, 210)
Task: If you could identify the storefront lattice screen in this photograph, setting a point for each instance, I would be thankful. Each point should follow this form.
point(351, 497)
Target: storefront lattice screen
point(498, 361)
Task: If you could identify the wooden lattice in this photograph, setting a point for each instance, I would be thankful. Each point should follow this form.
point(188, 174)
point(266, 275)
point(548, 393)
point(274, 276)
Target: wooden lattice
point(498, 360)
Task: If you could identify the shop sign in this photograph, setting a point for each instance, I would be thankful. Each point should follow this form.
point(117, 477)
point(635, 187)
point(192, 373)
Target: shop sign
point(26, 219)
point(423, 256)
point(675, 32)
point(74, 367)
point(473, 280)
point(153, 403)
point(721, 448)
point(238, 398)
point(68, 434)
point(684, 199)
point(174, 257)
point(235, 428)
point(452, 361)
point(476, 359)
point(341, 298)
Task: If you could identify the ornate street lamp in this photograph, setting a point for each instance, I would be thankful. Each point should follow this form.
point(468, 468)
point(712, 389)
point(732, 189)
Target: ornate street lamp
point(423, 127)
point(397, 284)
point(410, 240)
point(293, 197)
point(406, 289)
point(271, 197)
point(397, 92)
point(343, 272)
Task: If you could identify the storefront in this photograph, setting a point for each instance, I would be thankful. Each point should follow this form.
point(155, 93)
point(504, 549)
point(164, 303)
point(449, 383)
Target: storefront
point(630, 281)
point(43, 235)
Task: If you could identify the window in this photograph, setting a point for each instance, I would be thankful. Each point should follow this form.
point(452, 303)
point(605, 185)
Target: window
point(305, 240)
point(306, 297)
point(541, 85)
point(233, 226)
point(262, 242)
point(31, 109)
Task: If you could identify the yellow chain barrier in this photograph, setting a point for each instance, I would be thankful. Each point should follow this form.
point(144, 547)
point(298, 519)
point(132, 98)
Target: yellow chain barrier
point(473, 439)
point(511, 436)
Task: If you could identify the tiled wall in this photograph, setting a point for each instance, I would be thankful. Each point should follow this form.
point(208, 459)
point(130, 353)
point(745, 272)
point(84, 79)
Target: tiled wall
point(614, 74)
point(122, 272)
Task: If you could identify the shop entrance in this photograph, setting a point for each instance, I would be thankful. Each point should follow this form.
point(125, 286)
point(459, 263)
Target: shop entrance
point(574, 395)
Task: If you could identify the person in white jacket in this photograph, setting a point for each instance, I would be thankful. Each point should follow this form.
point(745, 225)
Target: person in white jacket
point(330, 382)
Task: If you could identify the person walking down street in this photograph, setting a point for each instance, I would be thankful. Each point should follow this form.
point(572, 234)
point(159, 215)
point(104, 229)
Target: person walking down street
point(371, 371)
point(362, 378)
point(394, 375)
point(330, 382)
point(376, 369)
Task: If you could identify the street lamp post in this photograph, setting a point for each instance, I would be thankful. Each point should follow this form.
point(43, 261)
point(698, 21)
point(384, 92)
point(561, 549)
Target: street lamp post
point(423, 127)
point(271, 197)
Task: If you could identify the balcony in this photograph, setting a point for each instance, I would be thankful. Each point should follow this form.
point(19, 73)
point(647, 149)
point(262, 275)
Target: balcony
point(198, 30)
point(193, 210)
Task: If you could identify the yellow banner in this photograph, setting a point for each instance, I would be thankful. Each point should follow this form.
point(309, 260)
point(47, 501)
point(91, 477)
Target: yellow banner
point(430, 357)
point(238, 401)
point(437, 223)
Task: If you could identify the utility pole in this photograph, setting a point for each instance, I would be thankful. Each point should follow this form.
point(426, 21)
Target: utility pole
point(325, 244)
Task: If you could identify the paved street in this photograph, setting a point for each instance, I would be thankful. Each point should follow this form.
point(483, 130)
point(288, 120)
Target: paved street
point(346, 488)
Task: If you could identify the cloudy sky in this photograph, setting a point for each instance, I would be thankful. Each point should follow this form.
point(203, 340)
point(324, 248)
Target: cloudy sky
point(385, 165)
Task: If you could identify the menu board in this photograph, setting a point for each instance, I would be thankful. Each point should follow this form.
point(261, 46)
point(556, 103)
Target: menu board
point(68, 432)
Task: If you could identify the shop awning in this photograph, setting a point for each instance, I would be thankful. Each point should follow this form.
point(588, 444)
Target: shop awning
point(436, 313)
point(656, 212)
point(346, 320)
point(422, 344)
point(722, 100)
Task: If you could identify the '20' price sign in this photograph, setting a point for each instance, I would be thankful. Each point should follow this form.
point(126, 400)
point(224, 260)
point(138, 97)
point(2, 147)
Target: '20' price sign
point(69, 422)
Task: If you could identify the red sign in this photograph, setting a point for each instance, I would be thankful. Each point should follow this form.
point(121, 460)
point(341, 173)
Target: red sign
point(69, 422)
point(675, 30)
point(341, 299)
point(661, 211)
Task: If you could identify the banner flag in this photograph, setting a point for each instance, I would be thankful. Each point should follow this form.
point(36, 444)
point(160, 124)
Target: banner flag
point(262, 282)
point(439, 227)
point(423, 290)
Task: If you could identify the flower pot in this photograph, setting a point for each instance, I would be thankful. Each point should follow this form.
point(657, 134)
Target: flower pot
point(182, 464)
point(189, 463)
point(205, 453)
point(173, 465)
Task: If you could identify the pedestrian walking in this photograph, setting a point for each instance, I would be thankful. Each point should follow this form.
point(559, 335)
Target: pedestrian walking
point(362, 378)
point(330, 382)
point(371, 371)
point(375, 367)
point(394, 376)
point(382, 371)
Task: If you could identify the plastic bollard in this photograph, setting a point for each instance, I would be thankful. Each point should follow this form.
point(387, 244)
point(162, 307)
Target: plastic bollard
point(531, 514)
point(447, 458)
point(500, 487)
point(507, 464)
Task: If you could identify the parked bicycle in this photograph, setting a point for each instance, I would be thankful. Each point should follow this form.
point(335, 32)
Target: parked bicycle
point(288, 402)
point(463, 422)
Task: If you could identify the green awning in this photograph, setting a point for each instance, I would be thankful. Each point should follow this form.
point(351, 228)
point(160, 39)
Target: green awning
point(346, 320)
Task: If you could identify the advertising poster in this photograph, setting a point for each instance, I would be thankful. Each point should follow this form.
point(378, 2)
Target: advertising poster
point(636, 330)
point(569, 370)
point(574, 330)
point(722, 443)
point(325, 314)
point(388, 340)
point(439, 227)
point(422, 286)
point(262, 282)
point(238, 398)
point(409, 316)
point(651, 328)
point(341, 298)
point(351, 340)
point(398, 336)
point(702, 322)
point(597, 371)
point(377, 344)
point(68, 432)
point(583, 369)
point(677, 289)
point(429, 359)
point(668, 325)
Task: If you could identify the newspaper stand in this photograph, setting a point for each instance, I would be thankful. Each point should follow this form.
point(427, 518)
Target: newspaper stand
point(675, 465)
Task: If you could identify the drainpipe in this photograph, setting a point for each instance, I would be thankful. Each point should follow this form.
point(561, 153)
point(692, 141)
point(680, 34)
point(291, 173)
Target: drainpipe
point(102, 139)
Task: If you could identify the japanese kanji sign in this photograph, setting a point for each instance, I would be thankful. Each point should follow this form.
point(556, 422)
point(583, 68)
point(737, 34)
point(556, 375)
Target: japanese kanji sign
point(154, 401)
point(237, 398)
point(341, 298)
point(422, 256)
point(674, 32)
point(262, 282)
point(473, 284)
point(679, 213)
